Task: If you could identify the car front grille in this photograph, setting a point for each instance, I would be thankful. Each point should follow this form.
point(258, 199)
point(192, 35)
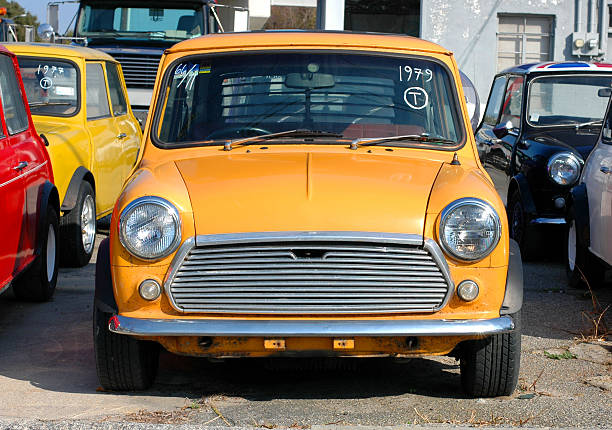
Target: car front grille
point(139, 70)
point(309, 277)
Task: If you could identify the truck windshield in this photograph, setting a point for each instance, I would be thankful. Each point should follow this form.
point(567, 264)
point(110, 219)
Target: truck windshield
point(564, 100)
point(212, 99)
point(51, 86)
point(113, 21)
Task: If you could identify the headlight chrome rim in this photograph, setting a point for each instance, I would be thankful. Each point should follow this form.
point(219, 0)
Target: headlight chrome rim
point(465, 202)
point(567, 155)
point(172, 211)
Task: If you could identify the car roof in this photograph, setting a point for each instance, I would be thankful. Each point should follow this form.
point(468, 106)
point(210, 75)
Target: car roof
point(5, 51)
point(558, 66)
point(289, 39)
point(59, 50)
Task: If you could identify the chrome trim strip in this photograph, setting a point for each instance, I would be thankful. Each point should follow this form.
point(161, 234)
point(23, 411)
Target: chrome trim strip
point(299, 236)
point(307, 328)
point(175, 265)
point(556, 221)
point(23, 174)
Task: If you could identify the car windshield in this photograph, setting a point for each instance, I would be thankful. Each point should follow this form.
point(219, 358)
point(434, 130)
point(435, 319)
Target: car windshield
point(51, 86)
point(568, 99)
point(212, 99)
point(114, 21)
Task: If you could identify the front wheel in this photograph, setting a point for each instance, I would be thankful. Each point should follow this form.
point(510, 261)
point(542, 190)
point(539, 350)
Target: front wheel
point(490, 366)
point(123, 363)
point(78, 229)
point(38, 282)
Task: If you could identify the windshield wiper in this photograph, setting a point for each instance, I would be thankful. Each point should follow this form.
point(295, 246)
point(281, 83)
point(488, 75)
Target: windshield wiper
point(367, 141)
point(230, 144)
point(38, 104)
point(586, 124)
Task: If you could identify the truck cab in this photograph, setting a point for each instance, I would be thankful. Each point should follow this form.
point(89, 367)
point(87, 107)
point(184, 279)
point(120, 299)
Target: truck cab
point(136, 33)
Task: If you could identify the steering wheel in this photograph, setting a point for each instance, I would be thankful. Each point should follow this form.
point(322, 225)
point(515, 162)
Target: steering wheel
point(237, 132)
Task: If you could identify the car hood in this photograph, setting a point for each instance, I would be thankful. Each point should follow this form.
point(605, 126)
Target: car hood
point(566, 139)
point(308, 192)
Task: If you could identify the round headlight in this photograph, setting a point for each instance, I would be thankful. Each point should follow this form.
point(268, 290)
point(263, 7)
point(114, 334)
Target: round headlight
point(150, 228)
point(564, 168)
point(469, 229)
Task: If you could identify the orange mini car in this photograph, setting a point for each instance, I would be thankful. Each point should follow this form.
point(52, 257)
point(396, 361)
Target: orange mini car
point(309, 194)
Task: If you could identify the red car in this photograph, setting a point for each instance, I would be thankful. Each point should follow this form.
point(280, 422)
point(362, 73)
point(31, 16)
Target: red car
point(28, 198)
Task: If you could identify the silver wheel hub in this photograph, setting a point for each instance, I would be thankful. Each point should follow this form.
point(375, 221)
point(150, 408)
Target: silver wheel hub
point(88, 223)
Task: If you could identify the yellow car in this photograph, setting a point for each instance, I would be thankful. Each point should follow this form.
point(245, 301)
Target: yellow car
point(309, 194)
point(79, 103)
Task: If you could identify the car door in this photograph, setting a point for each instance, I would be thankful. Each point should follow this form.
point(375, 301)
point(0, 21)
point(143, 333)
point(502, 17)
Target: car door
point(106, 144)
point(128, 128)
point(499, 157)
point(19, 174)
point(12, 196)
point(484, 134)
point(598, 177)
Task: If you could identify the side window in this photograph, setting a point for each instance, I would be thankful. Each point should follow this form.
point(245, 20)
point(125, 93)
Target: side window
point(97, 99)
point(511, 107)
point(495, 100)
point(15, 114)
point(116, 90)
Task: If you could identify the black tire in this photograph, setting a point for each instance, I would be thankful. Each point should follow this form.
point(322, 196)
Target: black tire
point(37, 283)
point(526, 237)
point(73, 251)
point(123, 363)
point(490, 366)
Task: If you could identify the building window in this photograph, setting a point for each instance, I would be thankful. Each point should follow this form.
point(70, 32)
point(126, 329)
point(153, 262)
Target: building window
point(384, 16)
point(523, 39)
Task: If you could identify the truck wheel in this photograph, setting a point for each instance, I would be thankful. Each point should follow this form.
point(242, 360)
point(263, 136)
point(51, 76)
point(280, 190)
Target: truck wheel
point(78, 229)
point(519, 230)
point(122, 362)
point(38, 282)
point(490, 366)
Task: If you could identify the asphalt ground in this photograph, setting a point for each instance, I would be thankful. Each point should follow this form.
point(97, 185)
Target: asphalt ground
point(48, 377)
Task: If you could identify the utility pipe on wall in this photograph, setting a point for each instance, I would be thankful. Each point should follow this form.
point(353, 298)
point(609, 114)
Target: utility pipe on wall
point(592, 10)
point(578, 16)
point(603, 26)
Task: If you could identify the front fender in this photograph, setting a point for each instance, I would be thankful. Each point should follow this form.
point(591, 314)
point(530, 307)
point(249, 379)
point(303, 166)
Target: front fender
point(519, 183)
point(48, 197)
point(580, 204)
point(513, 298)
point(104, 298)
point(72, 192)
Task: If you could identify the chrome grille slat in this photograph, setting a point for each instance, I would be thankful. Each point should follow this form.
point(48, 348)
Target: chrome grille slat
point(138, 70)
point(198, 251)
point(270, 260)
point(329, 271)
point(307, 277)
point(279, 290)
point(427, 266)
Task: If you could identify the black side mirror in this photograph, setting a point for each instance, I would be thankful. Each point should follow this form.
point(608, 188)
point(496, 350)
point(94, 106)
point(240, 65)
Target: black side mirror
point(604, 92)
point(502, 130)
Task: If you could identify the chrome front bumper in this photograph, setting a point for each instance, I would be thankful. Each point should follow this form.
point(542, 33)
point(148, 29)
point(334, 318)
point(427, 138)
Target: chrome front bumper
point(307, 328)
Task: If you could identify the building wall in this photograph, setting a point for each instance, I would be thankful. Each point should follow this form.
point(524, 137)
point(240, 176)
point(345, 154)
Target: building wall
point(469, 29)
